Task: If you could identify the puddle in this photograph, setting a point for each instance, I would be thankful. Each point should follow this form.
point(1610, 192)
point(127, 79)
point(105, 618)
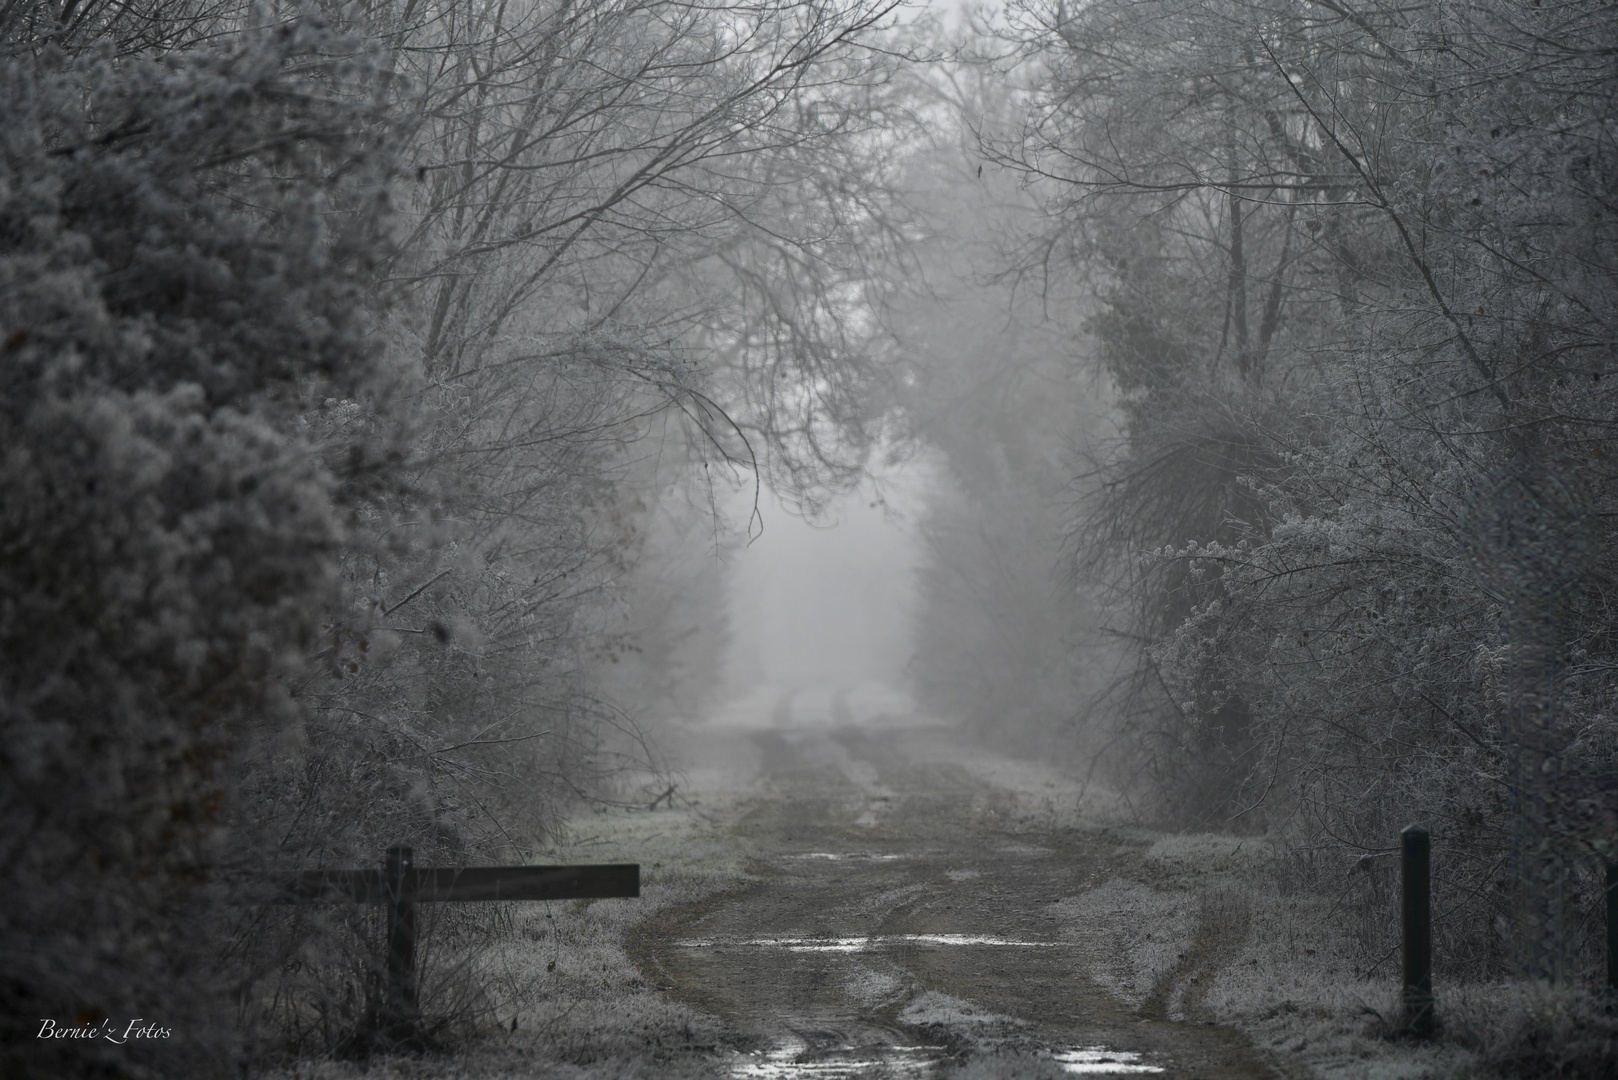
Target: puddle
point(861, 944)
point(1099, 1061)
point(795, 1061)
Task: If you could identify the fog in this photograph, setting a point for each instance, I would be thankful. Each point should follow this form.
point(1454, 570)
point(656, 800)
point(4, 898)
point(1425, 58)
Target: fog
point(1212, 399)
point(821, 612)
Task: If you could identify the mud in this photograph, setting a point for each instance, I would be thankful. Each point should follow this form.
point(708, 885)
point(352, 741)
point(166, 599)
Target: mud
point(900, 924)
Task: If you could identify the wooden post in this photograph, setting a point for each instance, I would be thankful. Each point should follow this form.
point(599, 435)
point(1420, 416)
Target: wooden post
point(1416, 916)
point(399, 886)
point(1612, 927)
point(399, 876)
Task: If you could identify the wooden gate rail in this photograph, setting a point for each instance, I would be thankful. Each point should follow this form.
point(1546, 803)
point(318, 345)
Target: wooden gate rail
point(473, 883)
point(400, 887)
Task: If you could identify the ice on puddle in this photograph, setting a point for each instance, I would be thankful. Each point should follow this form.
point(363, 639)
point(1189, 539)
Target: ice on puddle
point(843, 1063)
point(1100, 1061)
point(859, 944)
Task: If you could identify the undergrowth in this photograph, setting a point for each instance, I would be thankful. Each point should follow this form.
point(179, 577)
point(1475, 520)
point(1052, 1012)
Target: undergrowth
point(519, 989)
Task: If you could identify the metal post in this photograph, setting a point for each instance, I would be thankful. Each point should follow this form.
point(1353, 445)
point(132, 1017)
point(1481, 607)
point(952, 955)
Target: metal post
point(1417, 923)
point(400, 874)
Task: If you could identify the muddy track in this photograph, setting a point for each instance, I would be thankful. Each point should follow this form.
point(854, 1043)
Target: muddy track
point(901, 921)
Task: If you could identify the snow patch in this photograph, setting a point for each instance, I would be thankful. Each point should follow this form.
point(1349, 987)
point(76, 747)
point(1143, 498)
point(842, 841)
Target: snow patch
point(935, 1009)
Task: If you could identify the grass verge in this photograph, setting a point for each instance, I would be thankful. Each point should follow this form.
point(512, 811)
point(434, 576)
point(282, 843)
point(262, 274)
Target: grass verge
point(560, 996)
point(1199, 928)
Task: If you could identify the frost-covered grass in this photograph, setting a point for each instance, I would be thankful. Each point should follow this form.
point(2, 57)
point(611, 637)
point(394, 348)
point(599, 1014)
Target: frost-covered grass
point(1203, 932)
point(559, 994)
point(932, 1008)
point(1035, 795)
point(1203, 927)
point(1191, 927)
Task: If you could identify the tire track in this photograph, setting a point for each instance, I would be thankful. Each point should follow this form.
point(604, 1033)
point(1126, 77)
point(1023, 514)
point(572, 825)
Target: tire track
point(898, 924)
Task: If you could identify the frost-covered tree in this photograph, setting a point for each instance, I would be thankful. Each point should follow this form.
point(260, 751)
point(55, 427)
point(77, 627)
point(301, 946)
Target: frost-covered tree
point(186, 250)
point(291, 572)
point(1404, 214)
point(589, 178)
point(990, 391)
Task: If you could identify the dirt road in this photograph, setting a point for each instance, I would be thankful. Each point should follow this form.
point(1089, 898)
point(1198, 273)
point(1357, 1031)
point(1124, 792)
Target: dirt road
point(903, 921)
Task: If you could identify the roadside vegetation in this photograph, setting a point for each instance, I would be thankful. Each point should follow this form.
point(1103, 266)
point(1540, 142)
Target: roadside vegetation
point(371, 374)
point(1327, 298)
